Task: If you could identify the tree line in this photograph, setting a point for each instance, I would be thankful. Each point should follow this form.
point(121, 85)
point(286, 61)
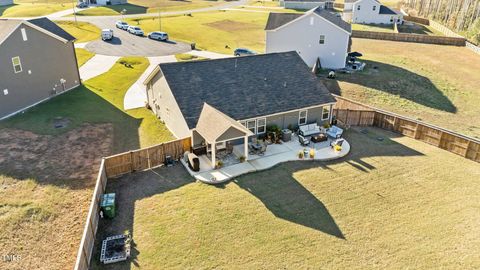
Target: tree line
point(462, 16)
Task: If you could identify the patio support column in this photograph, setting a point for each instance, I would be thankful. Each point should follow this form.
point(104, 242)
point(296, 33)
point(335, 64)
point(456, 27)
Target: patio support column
point(245, 144)
point(213, 155)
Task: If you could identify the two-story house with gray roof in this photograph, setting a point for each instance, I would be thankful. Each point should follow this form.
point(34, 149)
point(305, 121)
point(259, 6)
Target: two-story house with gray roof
point(318, 36)
point(231, 99)
point(37, 62)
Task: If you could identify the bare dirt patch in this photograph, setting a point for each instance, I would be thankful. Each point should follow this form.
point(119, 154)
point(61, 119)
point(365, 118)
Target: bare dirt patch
point(229, 25)
point(46, 184)
point(74, 155)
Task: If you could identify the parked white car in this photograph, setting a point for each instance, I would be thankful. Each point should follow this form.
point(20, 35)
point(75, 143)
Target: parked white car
point(162, 36)
point(121, 25)
point(107, 34)
point(135, 30)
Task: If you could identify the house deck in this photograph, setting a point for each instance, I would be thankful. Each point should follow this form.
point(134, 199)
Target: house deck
point(275, 154)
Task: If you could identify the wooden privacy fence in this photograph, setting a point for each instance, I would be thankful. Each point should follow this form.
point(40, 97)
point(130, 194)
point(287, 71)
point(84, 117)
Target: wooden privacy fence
point(416, 20)
point(84, 254)
point(404, 37)
point(357, 114)
point(146, 158)
point(117, 165)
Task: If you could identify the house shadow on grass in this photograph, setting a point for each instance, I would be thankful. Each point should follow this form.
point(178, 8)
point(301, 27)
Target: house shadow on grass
point(395, 81)
point(69, 156)
point(4, 8)
point(130, 8)
point(129, 189)
point(288, 199)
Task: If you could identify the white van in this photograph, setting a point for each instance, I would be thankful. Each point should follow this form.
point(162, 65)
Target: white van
point(107, 34)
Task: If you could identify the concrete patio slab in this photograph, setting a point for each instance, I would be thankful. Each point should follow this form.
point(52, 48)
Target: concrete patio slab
point(276, 154)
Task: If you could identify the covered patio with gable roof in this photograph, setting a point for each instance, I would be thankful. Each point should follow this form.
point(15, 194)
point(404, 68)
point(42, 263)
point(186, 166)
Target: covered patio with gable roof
point(217, 131)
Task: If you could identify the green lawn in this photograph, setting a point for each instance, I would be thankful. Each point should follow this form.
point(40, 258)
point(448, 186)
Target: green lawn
point(25, 9)
point(373, 27)
point(149, 6)
point(82, 31)
point(391, 204)
point(220, 31)
point(417, 80)
point(83, 56)
point(100, 100)
point(421, 29)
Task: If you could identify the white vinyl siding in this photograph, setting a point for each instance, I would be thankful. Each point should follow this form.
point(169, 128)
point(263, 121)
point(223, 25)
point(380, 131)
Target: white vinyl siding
point(17, 64)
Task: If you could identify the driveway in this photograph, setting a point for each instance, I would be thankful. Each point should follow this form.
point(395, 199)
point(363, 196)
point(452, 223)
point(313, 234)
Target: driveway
point(99, 64)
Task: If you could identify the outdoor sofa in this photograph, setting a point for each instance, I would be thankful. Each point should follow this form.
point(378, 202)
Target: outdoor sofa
point(309, 130)
point(335, 132)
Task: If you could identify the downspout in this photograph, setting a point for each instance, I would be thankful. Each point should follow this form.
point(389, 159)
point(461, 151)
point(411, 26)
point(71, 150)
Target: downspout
point(76, 64)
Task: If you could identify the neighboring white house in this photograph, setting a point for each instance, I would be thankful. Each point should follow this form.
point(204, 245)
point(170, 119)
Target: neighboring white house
point(306, 4)
point(371, 12)
point(6, 2)
point(317, 34)
point(104, 2)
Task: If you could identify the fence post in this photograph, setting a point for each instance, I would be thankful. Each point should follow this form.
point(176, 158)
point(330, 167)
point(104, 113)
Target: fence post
point(148, 159)
point(466, 149)
point(415, 133)
point(440, 140)
point(131, 162)
point(359, 118)
point(346, 118)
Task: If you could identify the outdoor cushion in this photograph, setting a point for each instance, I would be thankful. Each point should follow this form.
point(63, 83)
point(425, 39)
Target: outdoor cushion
point(335, 132)
point(308, 130)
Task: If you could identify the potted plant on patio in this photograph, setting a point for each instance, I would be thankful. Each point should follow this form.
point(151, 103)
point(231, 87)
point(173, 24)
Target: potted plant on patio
point(300, 154)
point(219, 164)
point(242, 159)
point(312, 153)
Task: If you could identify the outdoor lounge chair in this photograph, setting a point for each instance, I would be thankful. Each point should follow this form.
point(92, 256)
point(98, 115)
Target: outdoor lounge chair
point(263, 150)
point(338, 142)
point(335, 132)
point(193, 162)
point(304, 141)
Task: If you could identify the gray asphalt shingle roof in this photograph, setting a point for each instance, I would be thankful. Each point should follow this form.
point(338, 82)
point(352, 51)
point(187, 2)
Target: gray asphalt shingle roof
point(245, 87)
point(386, 10)
point(52, 28)
point(275, 20)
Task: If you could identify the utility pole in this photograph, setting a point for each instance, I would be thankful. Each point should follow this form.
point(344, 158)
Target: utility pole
point(74, 13)
point(159, 19)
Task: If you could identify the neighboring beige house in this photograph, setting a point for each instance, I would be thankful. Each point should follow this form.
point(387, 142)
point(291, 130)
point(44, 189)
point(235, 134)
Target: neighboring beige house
point(370, 12)
point(6, 2)
point(37, 60)
point(306, 4)
point(232, 99)
point(317, 34)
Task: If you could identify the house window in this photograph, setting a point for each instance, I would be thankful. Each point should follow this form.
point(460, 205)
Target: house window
point(261, 125)
point(322, 39)
point(325, 113)
point(251, 126)
point(24, 34)
point(302, 117)
point(358, 7)
point(374, 8)
point(17, 64)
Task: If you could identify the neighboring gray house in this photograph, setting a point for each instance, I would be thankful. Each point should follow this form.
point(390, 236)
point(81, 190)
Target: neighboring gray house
point(228, 100)
point(105, 2)
point(37, 60)
point(6, 2)
point(316, 34)
point(306, 4)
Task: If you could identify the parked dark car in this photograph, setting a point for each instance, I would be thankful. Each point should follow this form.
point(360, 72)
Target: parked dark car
point(82, 5)
point(243, 52)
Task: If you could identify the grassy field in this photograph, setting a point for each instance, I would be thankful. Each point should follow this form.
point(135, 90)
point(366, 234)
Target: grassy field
point(427, 82)
point(220, 31)
point(83, 56)
point(149, 6)
point(373, 27)
point(391, 204)
point(25, 9)
point(83, 31)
